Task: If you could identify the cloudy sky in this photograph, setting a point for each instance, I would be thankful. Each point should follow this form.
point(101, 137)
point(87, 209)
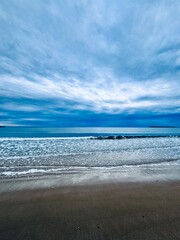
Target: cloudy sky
point(89, 62)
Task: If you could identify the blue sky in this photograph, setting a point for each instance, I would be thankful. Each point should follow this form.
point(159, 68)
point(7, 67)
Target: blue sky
point(89, 63)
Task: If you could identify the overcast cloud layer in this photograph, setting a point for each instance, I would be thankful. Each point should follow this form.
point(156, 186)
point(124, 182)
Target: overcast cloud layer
point(90, 63)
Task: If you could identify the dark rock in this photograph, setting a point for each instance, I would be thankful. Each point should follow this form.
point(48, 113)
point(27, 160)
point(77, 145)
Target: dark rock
point(119, 137)
point(111, 137)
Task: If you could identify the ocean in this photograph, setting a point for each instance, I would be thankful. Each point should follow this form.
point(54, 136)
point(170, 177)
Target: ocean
point(26, 151)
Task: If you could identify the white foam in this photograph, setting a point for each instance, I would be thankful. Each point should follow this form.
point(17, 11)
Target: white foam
point(44, 171)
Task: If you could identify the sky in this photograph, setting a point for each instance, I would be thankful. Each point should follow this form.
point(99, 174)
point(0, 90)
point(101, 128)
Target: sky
point(86, 63)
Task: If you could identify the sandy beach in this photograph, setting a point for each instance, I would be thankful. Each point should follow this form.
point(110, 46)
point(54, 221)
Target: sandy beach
point(103, 211)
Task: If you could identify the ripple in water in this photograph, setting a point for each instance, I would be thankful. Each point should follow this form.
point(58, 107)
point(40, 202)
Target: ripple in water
point(54, 155)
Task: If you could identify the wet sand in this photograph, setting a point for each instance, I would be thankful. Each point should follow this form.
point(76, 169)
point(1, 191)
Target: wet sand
point(101, 211)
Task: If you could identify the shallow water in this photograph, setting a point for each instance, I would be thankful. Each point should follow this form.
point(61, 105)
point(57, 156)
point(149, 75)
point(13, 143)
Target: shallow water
point(51, 155)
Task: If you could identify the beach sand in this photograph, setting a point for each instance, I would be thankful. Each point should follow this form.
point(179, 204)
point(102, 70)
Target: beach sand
point(103, 211)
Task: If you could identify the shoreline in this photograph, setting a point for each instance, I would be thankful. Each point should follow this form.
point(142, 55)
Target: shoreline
point(126, 210)
point(119, 175)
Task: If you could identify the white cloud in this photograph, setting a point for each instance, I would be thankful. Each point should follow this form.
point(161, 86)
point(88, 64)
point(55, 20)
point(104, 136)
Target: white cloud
point(20, 107)
point(99, 95)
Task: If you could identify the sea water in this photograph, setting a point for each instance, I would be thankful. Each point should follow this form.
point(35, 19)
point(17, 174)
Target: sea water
point(38, 151)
